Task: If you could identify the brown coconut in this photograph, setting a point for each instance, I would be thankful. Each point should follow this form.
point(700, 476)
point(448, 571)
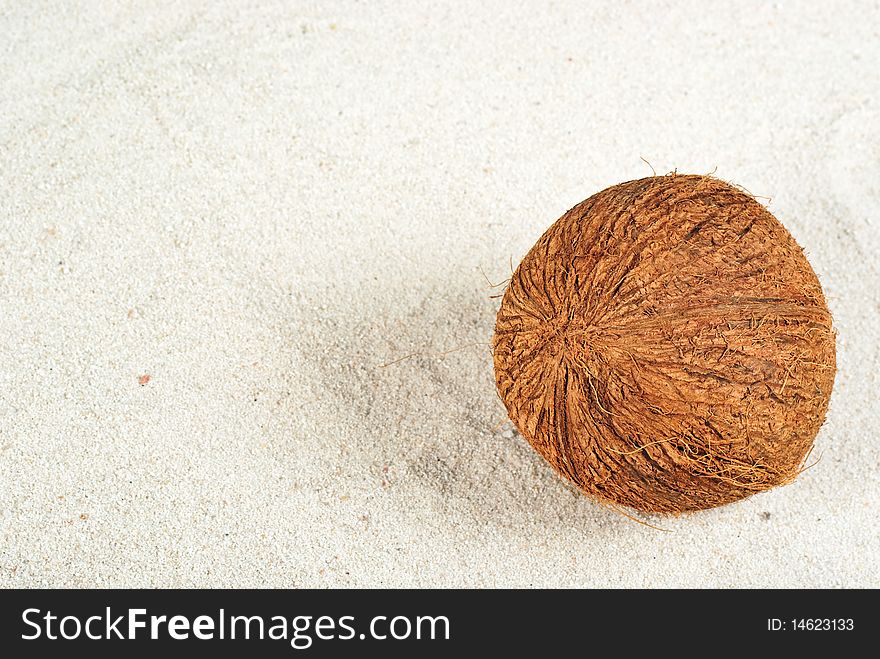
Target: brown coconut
point(666, 346)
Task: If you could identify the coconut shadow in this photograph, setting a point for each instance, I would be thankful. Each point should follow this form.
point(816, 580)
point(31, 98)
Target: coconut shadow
point(412, 368)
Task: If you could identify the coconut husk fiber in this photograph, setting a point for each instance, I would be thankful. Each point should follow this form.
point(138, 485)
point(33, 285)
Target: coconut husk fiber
point(666, 346)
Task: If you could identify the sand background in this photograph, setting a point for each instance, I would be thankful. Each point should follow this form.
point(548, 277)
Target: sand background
point(258, 204)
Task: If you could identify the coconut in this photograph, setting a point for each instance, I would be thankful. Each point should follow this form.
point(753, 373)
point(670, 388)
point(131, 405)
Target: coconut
point(666, 346)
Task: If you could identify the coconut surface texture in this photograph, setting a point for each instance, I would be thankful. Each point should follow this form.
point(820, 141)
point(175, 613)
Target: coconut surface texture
point(666, 346)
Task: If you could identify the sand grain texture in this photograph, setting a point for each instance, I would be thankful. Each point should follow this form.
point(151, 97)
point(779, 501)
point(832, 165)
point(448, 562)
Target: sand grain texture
point(259, 204)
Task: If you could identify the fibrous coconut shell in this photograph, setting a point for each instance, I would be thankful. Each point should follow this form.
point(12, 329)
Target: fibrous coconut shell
point(666, 346)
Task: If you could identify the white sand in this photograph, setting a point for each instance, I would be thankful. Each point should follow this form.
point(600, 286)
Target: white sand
point(258, 204)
